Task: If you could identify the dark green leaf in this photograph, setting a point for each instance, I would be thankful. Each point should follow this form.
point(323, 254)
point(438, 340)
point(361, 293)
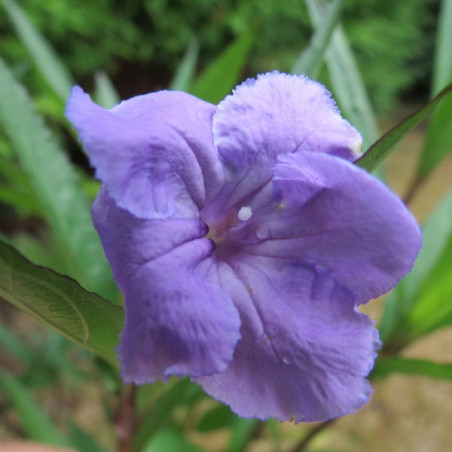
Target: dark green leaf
point(47, 61)
point(185, 72)
point(11, 344)
point(170, 441)
point(381, 148)
point(34, 420)
point(221, 76)
point(241, 433)
point(60, 302)
point(55, 183)
point(311, 58)
point(388, 366)
point(82, 440)
point(219, 417)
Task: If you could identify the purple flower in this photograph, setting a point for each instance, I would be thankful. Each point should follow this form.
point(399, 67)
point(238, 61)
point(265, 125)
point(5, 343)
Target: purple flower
point(244, 238)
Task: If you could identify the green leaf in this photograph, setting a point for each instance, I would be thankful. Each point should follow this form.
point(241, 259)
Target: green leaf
point(34, 420)
point(388, 366)
point(223, 74)
point(45, 58)
point(14, 346)
point(184, 75)
point(381, 148)
point(311, 58)
point(82, 440)
point(159, 414)
point(54, 180)
point(60, 302)
point(219, 417)
point(347, 84)
point(241, 432)
point(170, 440)
point(433, 262)
point(105, 93)
point(438, 142)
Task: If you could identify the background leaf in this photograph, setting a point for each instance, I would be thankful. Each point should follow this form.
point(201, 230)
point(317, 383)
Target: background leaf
point(223, 74)
point(105, 93)
point(388, 366)
point(34, 420)
point(183, 77)
point(60, 302)
point(44, 57)
point(311, 58)
point(55, 183)
point(383, 146)
point(345, 78)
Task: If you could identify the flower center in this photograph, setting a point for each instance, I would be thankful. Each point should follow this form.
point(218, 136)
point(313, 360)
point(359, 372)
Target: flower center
point(219, 231)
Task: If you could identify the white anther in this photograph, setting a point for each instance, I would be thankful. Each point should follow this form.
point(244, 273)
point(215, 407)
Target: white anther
point(245, 213)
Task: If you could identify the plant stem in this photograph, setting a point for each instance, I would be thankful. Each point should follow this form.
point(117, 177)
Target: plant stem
point(412, 189)
point(125, 423)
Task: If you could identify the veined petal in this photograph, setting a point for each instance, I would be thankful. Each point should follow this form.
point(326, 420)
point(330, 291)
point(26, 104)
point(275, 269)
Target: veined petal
point(336, 216)
point(178, 320)
point(305, 350)
point(154, 153)
point(273, 115)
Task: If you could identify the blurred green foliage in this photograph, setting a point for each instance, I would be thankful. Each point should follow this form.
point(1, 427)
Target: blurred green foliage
point(152, 36)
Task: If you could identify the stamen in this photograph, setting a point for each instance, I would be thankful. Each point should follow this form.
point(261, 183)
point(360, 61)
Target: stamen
point(245, 213)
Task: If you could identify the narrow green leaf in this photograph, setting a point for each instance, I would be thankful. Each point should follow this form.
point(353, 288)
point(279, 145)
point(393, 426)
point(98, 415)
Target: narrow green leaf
point(11, 344)
point(170, 440)
point(223, 74)
point(82, 440)
point(311, 58)
point(45, 58)
point(241, 432)
point(434, 260)
point(382, 147)
point(438, 142)
point(105, 93)
point(347, 84)
point(219, 417)
point(442, 66)
point(158, 416)
point(60, 302)
point(184, 74)
point(388, 366)
point(34, 420)
point(56, 186)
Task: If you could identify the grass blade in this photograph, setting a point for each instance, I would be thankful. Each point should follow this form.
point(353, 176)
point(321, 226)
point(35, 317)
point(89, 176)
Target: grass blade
point(105, 93)
point(184, 75)
point(34, 420)
point(347, 84)
point(45, 58)
point(311, 58)
point(381, 148)
point(56, 186)
point(223, 74)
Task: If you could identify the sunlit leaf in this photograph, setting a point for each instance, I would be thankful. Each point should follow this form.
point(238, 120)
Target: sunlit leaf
point(61, 303)
point(184, 74)
point(223, 74)
point(53, 70)
point(34, 420)
point(55, 183)
point(381, 148)
point(397, 365)
point(311, 58)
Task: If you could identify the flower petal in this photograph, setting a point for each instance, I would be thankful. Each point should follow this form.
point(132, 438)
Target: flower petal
point(154, 153)
point(305, 350)
point(178, 320)
point(273, 115)
point(331, 213)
